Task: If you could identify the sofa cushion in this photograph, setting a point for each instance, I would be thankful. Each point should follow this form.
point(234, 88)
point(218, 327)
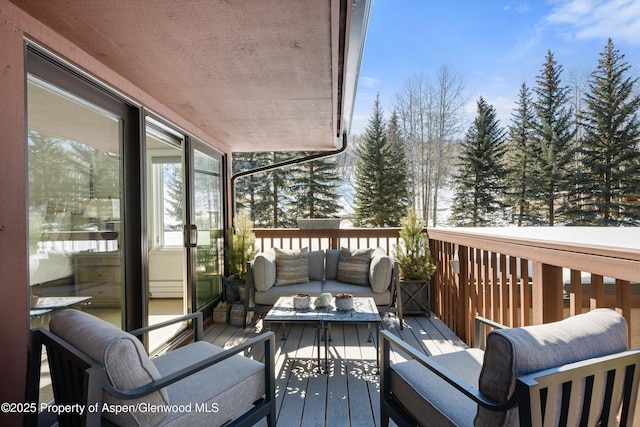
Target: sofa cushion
point(230, 386)
point(334, 288)
point(126, 362)
point(292, 266)
point(313, 288)
point(380, 271)
point(429, 399)
point(331, 258)
point(353, 266)
point(511, 353)
point(264, 270)
point(316, 265)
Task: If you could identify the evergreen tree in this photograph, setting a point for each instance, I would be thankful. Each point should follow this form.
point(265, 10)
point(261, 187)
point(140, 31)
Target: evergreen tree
point(396, 174)
point(610, 155)
point(279, 198)
point(252, 192)
point(377, 199)
point(552, 150)
point(479, 181)
point(519, 158)
point(315, 187)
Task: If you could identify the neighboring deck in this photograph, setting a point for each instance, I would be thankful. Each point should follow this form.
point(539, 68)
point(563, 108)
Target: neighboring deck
point(348, 395)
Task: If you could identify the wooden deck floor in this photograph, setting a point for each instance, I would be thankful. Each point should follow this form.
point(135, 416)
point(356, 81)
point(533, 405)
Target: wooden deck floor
point(348, 394)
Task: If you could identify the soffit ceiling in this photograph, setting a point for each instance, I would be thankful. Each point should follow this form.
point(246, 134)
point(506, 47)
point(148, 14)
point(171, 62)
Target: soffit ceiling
point(268, 75)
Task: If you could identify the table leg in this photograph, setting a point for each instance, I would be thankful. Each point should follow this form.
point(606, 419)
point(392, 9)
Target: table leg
point(318, 338)
point(376, 340)
point(326, 348)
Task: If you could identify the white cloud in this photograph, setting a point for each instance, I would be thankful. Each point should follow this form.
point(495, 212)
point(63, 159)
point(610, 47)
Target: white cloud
point(369, 81)
point(598, 19)
point(520, 8)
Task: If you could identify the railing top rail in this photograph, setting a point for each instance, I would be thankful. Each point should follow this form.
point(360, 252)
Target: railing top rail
point(330, 232)
point(609, 251)
point(619, 242)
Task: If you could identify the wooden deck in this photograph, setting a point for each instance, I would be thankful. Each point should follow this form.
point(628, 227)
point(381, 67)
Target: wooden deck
point(348, 394)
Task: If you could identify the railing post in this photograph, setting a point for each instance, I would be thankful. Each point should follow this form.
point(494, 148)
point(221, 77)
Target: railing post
point(464, 313)
point(547, 293)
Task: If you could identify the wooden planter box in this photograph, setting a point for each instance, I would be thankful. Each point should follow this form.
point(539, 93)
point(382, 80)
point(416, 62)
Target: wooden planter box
point(415, 296)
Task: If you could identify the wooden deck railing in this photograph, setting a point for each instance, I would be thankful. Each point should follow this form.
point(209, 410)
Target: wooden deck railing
point(523, 276)
point(515, 276)
point(293, 238)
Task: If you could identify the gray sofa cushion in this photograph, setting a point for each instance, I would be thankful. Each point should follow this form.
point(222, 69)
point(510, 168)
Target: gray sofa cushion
point(331, 258)
point(334, 288)
point(380, 271)
point(264, 270)
point(313, 288)
point(231, 386)
point(316, 265)
point(428, 398)
point(292, 266)
point(353, 266)
point(511, 353)
point(126, 362)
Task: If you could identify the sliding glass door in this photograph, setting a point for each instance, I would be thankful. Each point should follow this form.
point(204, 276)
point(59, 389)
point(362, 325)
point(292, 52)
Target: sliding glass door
point(206, 214)
point(165, 178)
point(75, 204)
point(125, 210)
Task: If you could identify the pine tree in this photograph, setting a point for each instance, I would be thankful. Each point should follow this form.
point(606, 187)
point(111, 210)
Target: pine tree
point(552, 150)
point(610, 155)
point(315, 187)
point(253, 191)
point(395, 174)
point(519, 158)
point(377, 198)
point(369, 183)
point(479, 181)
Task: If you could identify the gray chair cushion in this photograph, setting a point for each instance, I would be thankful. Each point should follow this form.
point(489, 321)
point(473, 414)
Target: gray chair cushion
point(292, 266)
point(353, 266)
point(224, 389)
point(511, 353)
point(429, 399)
point(126, 362)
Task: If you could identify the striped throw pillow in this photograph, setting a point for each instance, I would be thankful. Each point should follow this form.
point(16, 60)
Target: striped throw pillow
point(292, 267)
point(353, 266)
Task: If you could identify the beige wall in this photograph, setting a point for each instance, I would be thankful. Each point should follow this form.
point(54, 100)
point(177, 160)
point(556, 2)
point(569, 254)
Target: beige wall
point(14, 26)
point(13, 245)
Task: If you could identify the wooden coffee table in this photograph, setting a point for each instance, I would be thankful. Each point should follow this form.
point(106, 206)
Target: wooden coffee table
point(364, 311)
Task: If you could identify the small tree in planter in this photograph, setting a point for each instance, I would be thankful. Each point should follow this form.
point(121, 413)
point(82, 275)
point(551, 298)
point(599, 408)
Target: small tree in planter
point(241, 248)
point(415, 263)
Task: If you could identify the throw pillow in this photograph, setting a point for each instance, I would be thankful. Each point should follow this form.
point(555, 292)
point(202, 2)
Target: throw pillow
point(353, 266)
point(292, 267)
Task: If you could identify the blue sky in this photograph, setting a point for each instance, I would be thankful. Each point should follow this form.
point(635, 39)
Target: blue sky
point(494, 45)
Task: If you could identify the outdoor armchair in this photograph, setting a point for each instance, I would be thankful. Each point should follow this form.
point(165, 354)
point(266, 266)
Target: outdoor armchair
point(577, 371)
point(104, 370)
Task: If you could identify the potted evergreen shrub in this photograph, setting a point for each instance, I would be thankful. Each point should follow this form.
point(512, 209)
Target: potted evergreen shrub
point(240, 249)
point(415, 264)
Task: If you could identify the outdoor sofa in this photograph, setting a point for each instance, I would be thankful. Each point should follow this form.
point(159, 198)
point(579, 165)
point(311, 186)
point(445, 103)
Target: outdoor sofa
point(275, 273)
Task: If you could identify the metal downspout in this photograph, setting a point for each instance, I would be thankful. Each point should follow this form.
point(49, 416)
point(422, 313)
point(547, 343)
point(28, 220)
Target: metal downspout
point(280, 165)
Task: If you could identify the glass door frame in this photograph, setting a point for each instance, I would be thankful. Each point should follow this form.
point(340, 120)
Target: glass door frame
point(193, 144)
point(41, 64)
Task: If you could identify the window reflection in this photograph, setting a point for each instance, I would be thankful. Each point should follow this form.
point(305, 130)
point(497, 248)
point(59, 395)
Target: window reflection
point(74, 169)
